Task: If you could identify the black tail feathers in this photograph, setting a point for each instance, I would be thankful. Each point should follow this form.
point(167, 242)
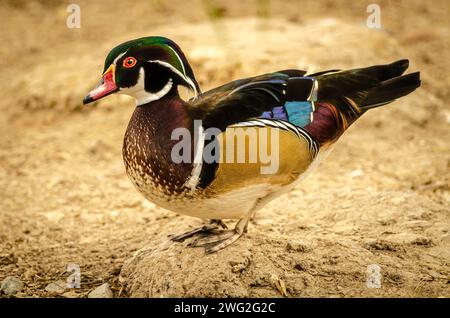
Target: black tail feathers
point(367, 87)
point(389, 90)
point(390, 85)
point(385, 72)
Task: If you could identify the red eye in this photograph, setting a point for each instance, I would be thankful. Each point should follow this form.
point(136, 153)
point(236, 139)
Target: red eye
point(129, 62)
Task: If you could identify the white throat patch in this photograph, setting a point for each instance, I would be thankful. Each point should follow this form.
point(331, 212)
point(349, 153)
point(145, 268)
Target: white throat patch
point(141, 95)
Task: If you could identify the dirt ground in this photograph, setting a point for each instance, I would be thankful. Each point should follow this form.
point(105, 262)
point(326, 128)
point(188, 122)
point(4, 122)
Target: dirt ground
point(382, 197)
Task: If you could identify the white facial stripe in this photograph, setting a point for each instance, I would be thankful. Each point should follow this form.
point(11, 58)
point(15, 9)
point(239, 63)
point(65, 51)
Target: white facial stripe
point(179, 59)
point(119, 56)
point(186, 78)
point(140, 94)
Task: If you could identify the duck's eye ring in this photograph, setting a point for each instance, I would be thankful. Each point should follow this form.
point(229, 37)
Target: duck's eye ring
point(129, 62)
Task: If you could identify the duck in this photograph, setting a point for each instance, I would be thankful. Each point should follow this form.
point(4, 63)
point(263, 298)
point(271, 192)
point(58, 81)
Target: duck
point(178, 151)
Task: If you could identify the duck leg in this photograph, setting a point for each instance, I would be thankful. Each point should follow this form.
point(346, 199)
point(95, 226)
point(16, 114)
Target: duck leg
point(213, 241)
point(213, 225)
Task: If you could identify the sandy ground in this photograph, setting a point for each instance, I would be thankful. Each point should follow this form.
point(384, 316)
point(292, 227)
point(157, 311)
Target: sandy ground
point(382, 197)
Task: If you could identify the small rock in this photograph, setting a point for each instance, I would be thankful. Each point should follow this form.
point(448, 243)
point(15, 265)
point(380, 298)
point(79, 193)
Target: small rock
point(102, 291)
point(71, 294)
point(356, 173)
point(299, 246)
point(11, 285)
point(57, 287)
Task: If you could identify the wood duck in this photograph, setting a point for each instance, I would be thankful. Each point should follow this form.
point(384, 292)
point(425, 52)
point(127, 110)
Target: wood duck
point(308, 113)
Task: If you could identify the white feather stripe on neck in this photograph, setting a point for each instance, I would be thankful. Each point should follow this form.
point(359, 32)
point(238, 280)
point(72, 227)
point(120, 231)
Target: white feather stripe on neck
point(141, 95)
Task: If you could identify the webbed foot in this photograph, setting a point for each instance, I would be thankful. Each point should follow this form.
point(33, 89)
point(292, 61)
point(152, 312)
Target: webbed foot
point(213, 225)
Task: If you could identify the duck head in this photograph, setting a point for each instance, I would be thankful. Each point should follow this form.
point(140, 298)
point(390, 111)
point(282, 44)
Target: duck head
point(147, 69)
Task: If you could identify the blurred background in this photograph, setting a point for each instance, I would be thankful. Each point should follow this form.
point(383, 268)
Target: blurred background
point(381, 197)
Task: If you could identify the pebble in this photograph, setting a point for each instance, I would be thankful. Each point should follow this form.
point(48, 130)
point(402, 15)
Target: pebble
point(303, 246)
point(11, 285)
point(71, 294)
point(102, 291)
point(356, 173)
point(57, 287)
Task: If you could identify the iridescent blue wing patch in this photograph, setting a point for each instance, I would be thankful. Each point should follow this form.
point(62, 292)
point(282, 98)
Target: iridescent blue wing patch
point(297, 113)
